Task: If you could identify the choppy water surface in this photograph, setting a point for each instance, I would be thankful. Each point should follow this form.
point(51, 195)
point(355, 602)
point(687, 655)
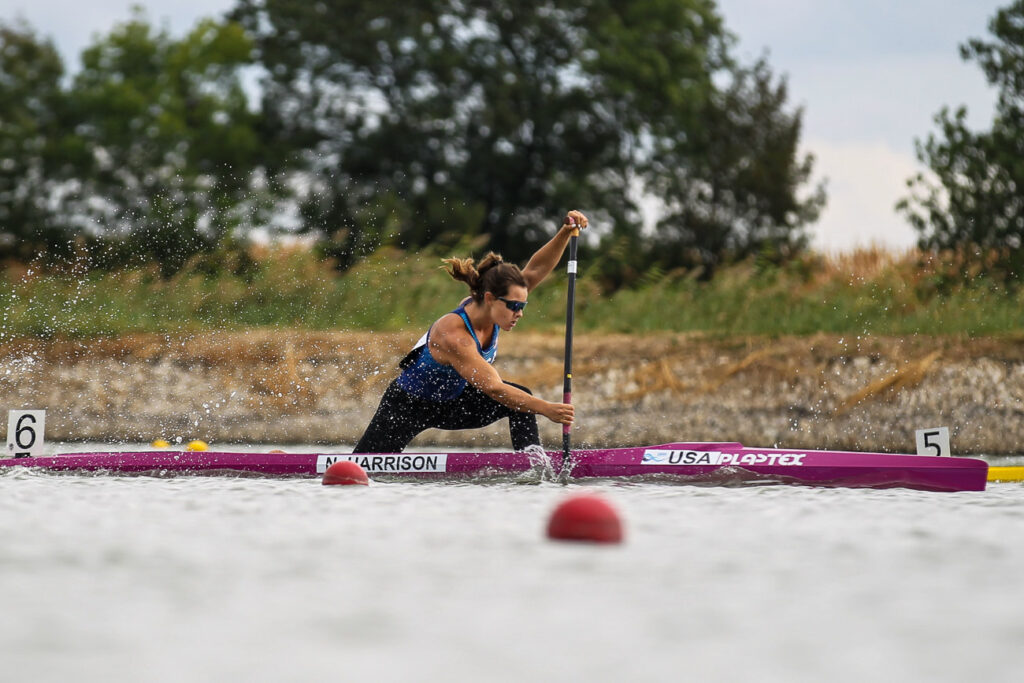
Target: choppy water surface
point(217, 578)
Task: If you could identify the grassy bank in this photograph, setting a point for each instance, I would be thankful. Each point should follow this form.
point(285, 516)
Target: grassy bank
point(870, 292)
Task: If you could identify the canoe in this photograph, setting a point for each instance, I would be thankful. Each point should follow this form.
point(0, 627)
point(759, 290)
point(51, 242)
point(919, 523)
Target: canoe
point(697, 462)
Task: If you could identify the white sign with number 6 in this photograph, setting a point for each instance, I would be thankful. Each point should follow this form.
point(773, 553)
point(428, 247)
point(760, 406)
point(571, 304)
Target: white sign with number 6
point(25, 433)
point(934, 441)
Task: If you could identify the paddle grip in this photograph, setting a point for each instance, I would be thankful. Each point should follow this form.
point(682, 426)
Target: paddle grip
point(566, 398)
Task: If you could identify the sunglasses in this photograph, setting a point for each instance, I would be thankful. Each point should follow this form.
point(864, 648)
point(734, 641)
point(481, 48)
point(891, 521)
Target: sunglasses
point(514, 306)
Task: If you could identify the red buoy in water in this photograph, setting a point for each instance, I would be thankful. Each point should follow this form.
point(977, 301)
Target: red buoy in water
point(585, 518)
point(345, 472)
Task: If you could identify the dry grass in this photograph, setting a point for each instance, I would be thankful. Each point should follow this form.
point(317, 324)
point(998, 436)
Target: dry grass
point(865, 264)
point(655, 377)
point(721, 375)
point(281, 367)
point(888, 387)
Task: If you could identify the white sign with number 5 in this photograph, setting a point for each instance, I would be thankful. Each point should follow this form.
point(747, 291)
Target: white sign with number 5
point(934, 441)
point(25, 433)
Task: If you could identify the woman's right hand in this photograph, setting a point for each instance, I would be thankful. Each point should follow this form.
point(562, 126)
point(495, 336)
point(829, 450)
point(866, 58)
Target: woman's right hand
point(560, 413)
point(574, 220)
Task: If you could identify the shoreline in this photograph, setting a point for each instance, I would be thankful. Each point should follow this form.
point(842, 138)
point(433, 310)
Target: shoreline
point(284, 387)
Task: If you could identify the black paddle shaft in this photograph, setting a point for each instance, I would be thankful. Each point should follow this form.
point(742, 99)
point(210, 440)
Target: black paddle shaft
point(570, 318)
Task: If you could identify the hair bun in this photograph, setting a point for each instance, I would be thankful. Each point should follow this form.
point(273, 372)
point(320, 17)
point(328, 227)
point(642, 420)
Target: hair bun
point(485, 276)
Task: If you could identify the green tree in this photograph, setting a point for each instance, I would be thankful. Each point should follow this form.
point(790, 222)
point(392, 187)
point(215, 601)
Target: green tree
point(428, 118)
point(174, 149)
point(38, 147)
point(974, 201)
point(732, 187)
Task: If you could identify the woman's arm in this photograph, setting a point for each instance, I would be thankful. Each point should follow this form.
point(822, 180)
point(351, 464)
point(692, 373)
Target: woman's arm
point(457, 348)
point(544, 261)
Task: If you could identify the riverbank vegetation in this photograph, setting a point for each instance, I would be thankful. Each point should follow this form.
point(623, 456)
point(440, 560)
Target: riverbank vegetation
point(362, 126)
point(871, 292)
point(133, 190)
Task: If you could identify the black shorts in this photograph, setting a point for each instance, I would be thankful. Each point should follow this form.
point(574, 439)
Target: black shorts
point(401, 416)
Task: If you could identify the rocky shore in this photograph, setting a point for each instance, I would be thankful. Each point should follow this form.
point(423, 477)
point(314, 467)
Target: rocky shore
point(322, 387)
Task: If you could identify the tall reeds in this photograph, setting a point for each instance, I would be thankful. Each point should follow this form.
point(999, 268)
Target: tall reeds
point(860, 293)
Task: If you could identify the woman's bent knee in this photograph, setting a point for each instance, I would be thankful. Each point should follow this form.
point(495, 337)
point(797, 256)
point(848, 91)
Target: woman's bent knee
point(520, 387)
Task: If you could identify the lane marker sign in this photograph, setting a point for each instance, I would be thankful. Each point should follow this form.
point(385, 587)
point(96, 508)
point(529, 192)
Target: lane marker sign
point(934, 441)
point(25, 430)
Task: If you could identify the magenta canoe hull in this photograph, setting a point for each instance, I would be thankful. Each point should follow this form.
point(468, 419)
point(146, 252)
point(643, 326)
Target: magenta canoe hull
point(700, 462)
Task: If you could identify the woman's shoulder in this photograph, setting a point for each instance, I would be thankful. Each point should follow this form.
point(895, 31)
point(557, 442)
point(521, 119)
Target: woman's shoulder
point(449, 323)
point(449, 335)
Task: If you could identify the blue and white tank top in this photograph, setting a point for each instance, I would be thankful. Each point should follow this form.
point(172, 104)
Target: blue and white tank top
point(425, 378)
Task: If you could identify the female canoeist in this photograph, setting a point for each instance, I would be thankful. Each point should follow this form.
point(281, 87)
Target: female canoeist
point(447, 380)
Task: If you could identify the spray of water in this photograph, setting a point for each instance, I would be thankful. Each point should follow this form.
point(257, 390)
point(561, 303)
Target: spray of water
point(540, 464)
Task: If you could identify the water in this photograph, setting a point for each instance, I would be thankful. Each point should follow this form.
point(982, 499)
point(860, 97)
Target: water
point(108, 578)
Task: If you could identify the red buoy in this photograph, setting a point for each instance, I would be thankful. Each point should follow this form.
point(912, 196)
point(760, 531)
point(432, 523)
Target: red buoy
point(345, 472)
point(585, 518)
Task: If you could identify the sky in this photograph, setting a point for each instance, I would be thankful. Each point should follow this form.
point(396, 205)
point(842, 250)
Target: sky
point(870, 75)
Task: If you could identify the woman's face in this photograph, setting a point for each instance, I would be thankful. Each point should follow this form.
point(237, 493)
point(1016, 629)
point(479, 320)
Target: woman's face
point(501, 307)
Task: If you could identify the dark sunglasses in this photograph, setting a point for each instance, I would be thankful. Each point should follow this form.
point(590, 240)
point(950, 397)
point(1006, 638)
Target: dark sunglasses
point(514, 306)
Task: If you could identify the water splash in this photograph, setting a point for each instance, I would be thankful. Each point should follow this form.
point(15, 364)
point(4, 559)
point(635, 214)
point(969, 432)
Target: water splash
point(540, 465)
point(565, 474)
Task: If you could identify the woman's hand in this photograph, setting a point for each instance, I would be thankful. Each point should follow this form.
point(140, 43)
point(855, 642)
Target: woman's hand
point(574, 220)
point(544, 261)
point(560, 413)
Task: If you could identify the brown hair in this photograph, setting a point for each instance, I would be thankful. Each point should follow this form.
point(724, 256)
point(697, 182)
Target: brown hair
point(492, 275)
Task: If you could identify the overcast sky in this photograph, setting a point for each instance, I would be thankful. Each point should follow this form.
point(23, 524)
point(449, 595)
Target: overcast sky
point(869, 74)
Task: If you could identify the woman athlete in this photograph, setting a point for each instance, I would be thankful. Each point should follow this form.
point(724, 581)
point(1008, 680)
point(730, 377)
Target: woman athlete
point(447, 380)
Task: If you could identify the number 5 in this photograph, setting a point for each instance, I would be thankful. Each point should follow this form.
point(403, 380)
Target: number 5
point(934, 441)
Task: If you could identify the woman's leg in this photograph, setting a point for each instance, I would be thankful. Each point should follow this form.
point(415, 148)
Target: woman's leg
point(474, 409)
point(399, 418)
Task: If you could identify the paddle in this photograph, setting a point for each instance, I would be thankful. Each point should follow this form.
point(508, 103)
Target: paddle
point(569, 320)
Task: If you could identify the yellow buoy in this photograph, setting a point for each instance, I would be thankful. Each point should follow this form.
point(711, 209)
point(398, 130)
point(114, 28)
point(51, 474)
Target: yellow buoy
point(161, 443)
point(196, 445)
point(1006, 473)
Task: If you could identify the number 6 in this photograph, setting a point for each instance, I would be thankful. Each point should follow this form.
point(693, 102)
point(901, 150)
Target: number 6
point(20, 429)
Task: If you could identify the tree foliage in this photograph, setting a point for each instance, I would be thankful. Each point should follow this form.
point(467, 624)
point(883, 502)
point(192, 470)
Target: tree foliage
point(174, 144)
point(974, 202)
point(733, 187)
point(420, 119)
point(151, 153)
point(406, 122)
point(37, 143)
